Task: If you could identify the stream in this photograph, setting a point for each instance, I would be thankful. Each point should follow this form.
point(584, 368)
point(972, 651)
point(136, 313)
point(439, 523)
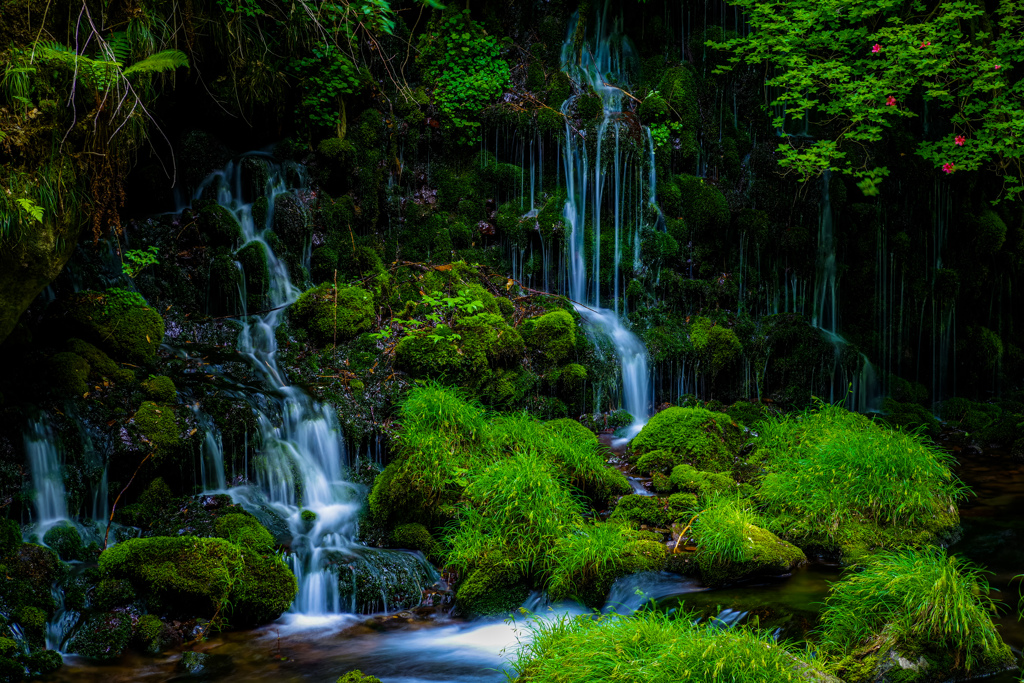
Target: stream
point(402, 649)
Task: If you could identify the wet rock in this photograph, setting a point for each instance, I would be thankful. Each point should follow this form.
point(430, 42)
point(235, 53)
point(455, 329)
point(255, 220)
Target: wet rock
point(204, 666)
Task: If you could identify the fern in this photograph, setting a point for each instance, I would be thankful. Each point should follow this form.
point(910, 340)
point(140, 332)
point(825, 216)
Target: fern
point(167, 60)
point(31, 208)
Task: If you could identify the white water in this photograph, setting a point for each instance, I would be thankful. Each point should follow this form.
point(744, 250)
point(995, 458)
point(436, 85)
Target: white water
point(602, 63)
point(44, 461)
point(302, 454)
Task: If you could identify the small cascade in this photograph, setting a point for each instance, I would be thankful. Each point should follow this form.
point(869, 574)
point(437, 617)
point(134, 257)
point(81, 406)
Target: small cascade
point(45, 463)
point(861, 390)
point(601, 64)
point(300, 463)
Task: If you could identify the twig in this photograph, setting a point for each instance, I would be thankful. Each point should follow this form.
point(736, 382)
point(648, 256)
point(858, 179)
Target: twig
point(682, 533)
point(113, 508)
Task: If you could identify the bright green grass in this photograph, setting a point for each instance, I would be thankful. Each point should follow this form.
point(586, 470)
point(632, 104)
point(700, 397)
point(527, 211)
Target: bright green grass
point(914, 600)
point(651, 647)
point(831, 470)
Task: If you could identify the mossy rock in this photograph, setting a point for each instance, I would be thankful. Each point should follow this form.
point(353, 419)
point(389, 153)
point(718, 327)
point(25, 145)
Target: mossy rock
point(649, 510)
point(552, 336)
point(161, 389)
point(705, 485)
point(157, 425)
point(701, 437)
point(491, 591)
point(103, 637)
point(65, 540)
point(762, 553)
point(703, 207)
point(413, 537)
point(111, 593)
point(67, 374)
point(219, 226)
point(357, 676)
point(656, 462)
point(42, 662)
point(256, 273)
point(10, 537)
point(910, 417)
point(100, 364)
point(189, 576)
point(292, 222)
point(372, 579)
point(323, 314)
point(988, 232)
point(118, 321)
point(246, 531)
point(152, 636)
point(30, 571)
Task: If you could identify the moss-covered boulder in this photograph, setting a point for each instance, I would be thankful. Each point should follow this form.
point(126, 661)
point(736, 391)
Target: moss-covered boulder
point(67, 374)
point(731, 546)
point(492, 589)
point(157, 425)
point(705, 439)
point(189, 576)
point(552, 336)
point(649, 510)
point(328, 313)
point(101, 367)
point(256, 274)
point(218, 226)
point(103, 637)
point(119, 322)
point(65, 540)
point(704, 485)
point(161, 389)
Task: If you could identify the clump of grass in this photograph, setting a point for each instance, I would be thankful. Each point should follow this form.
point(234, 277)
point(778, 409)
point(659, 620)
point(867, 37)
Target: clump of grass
point(831, 472)
point(732, 541)
point(914, 601)
point(651, 647)
point(584, 563)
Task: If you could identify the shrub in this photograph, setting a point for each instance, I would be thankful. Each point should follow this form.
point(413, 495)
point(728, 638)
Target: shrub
point(703, 438)
point(915, 602)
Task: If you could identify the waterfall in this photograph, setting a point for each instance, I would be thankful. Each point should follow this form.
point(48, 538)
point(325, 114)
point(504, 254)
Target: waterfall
point(863, 386)
point(299, 467)
point(601, 65)
point(44, 459)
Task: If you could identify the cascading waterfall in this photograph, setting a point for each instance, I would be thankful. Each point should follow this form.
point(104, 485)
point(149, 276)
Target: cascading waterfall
point(302, 455)
point(600, 65)
point(865, 393)
point(44, 459)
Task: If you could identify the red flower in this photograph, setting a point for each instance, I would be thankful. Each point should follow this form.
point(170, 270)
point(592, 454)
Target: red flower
point(876, 48)
point(891, 101)
point(959, 140)
point(948, 168)
point(997, 67)
point(926, 43)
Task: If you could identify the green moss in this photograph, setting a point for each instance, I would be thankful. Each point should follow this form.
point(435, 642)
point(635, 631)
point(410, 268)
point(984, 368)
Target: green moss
point(157, 425)
point(150, 503)
point(111, 593)
point(492, 589)
point(264, 591)
point(253, 258)
point(357, 676)
point(219, 226)
point(323, 264)
point(246, 531)
point(717, 346)
point(686, 502)
point(43, 662)
point(316, 312)
point(10, 670)
point(552, 336)
point(100, 364)
point(118, 321)
point(103, 637)
point(649, 510)
point(705, 485)
point(161, 389)
point(659, 461)
point(701, 437)
point(413, 537)
point(151, 634)
point(334, 148)
point(182, 575)
point(291, 222)
point(8, 647)
point(704, 207)
point(308, 516)
point(67, 374)
point(731, 546)
point(65, 540)
point(988, 232)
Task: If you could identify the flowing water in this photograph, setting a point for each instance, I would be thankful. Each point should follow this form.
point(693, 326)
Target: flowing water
point(602, 65)
point(45, 464)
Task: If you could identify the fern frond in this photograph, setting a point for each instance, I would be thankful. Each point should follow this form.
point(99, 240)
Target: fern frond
point(167, 60)
point(120, 46)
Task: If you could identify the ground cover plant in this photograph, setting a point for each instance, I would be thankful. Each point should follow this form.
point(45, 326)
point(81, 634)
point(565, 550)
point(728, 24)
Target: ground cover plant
point(917, 603)
point(652, 647)
point(838, 481)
